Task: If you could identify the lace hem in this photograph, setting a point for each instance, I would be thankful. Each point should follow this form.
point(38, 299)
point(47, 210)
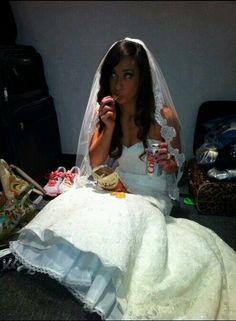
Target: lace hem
point(75, 290)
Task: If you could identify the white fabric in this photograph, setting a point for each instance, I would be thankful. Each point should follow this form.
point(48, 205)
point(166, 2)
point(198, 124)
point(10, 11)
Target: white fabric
point(125, 259)
point(162, 98)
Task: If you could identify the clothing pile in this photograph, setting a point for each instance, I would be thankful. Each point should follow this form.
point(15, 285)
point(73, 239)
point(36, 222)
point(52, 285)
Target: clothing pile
point(218, 152)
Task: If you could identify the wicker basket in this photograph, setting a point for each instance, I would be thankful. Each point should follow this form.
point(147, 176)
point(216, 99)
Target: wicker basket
point(105, 177)
point(211, 196)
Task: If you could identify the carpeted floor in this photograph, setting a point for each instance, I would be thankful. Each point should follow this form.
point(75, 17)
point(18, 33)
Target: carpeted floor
point(224, 226)
point(38, 297)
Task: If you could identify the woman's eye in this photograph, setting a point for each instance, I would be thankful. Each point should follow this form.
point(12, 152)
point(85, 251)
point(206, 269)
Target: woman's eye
point(113, 75)
point(128, 75)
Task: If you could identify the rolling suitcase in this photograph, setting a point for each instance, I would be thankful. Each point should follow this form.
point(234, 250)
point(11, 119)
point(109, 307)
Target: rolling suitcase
point(29, 134)
point(30, 138)
point(8, 28)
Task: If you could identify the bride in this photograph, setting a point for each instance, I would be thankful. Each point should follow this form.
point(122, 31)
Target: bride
point(122, 254)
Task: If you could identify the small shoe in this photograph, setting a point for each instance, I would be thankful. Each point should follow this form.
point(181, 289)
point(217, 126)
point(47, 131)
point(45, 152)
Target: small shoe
point(69, 180)
point(54, 181)
point(8, 261)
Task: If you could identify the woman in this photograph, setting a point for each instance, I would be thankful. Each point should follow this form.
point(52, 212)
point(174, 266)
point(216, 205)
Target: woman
point(125, 258)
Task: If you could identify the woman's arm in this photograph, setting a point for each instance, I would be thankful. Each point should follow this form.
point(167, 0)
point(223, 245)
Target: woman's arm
point(101, 140)
point(99, 146)
point(164, 159)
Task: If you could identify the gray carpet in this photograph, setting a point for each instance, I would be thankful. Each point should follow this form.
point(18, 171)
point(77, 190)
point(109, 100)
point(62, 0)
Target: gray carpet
point(38, 297)
point(223, 226)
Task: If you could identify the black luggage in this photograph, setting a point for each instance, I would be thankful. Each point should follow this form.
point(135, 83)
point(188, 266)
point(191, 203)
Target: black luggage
point(8, 28)
point(29, 134)
point(30, 138)
point(21, 75)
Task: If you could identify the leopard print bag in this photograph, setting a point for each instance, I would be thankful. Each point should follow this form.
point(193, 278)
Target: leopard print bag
point(211, 197)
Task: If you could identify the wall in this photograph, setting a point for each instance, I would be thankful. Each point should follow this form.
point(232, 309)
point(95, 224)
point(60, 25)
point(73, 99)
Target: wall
point(194, 42)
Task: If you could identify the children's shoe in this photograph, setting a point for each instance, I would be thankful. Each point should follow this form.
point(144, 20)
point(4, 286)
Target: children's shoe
point(9, 262)
point(69, 180)
point(54, 181)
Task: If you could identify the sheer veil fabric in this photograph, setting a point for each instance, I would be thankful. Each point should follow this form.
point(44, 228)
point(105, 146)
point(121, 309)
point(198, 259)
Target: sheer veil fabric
point(162, 98)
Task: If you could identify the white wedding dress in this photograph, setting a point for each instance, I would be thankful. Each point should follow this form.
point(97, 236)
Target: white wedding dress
point(126, 257)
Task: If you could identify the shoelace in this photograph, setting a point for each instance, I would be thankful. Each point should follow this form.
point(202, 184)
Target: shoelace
point(55, 175)
point(9, 264)
point(4, 252)
point(69, 178)
point(22, 267)
point(12, 263)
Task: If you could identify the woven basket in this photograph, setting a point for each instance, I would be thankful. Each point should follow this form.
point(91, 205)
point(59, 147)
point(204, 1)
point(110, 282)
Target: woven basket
point(105, 177)
point(211, 197)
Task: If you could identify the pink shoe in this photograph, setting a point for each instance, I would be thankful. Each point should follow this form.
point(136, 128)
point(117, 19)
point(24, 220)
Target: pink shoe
point(69, 180)
point(54, 181)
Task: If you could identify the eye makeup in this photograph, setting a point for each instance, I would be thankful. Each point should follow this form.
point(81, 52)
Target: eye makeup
point(128, 73)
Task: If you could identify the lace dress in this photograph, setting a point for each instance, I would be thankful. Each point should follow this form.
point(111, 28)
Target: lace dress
point(126, 258)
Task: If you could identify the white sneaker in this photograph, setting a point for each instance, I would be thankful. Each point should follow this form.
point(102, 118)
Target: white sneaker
point(54, 181)
point(69, 179)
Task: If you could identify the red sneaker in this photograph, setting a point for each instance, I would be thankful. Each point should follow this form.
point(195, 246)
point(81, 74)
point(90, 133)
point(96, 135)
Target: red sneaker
point(69, 179)
point(54, 181)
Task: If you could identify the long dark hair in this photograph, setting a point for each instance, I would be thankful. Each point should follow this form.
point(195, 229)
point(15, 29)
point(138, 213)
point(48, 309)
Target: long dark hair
point(145, 108)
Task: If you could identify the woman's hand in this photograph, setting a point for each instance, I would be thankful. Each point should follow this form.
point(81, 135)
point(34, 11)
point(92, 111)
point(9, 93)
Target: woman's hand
point(107, 111)
point(101, 139)
point(164, 159)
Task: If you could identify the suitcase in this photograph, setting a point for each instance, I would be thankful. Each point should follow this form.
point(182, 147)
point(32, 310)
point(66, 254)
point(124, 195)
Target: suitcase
point(21, 75)
point(30, 137)
point(8, 28)
point(29, 134)
point(212, 197)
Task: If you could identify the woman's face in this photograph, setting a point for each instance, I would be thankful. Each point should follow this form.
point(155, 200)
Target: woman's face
point(124, 81)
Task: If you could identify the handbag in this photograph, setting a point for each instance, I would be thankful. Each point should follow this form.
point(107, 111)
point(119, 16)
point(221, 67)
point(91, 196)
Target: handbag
point(16, 207)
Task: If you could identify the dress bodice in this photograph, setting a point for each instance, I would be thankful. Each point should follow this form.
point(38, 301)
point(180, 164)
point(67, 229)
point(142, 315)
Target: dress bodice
point(132, 171)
